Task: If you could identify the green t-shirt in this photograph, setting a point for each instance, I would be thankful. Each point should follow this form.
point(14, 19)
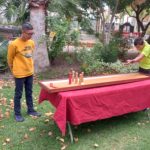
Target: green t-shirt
point(145, 62)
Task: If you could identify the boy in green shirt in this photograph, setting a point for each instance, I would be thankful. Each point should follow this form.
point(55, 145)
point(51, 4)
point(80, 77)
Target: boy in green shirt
point(144, 57)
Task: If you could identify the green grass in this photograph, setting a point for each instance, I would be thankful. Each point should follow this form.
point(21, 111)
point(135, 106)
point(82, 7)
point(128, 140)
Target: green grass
point(127, 132)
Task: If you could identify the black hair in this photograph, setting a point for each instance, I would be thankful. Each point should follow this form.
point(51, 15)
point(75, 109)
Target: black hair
point(27, 26)
point(138, 41)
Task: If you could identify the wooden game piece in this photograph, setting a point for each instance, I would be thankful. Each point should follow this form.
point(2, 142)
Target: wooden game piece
point(52, 85)
point(73, 76)
point(76, 77)
point(80, 78)
point(70, 76)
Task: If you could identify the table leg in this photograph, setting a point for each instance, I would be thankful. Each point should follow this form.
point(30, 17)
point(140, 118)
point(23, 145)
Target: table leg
point(70, 132)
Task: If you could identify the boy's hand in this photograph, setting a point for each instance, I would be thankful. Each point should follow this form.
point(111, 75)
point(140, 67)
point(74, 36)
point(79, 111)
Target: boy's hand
point(129, 61)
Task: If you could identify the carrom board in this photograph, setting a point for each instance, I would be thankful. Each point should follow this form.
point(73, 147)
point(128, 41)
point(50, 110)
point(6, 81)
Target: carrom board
point(53, 86)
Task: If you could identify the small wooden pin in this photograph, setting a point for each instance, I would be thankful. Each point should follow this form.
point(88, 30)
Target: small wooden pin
point(76, 77)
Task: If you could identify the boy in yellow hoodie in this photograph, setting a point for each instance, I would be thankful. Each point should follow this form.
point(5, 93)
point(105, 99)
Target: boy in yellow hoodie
point(20, 61)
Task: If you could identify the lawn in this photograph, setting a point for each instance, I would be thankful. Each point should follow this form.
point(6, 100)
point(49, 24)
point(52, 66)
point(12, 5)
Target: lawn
point(127, 132)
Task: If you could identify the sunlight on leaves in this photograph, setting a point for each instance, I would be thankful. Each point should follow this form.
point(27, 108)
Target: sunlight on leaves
point(7, 114)
point(32, 129)
point(63, 147)
point(60, 139)
point(1, 114)
point(3, 101)
point(11, 103)
point(1, 84)
point(4, 143)
point(26, 136)
point(49, 115)
point(23, 104)
point(2, 127)
point(35, 108)
point(7, 140)
point(76, 139)
point(96, 145)
point(46, 120)
point(34, 117)
point(50, 133)
point(88, 130)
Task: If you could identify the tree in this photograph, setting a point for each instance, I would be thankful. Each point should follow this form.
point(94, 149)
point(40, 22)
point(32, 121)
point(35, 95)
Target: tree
point(138, 9)
point(14, 11)
point(37, 19)
point(67, 8)
point(98, 8)
point(113, 5)
point(17, 12)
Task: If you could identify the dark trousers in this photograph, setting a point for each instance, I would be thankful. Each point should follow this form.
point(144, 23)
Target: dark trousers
point(26, 82)
point(145, 71)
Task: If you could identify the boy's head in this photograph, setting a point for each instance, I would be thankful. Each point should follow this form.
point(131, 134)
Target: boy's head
point(27, 31)
point(139, 43)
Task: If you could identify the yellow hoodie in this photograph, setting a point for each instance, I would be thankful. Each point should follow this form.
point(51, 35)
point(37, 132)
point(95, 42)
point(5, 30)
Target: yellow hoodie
point(19, 57)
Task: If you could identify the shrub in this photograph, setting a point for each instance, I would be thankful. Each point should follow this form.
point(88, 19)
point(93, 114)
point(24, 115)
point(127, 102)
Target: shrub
point(109, 53)
point(86, 25)
point(3, 55)
point(106, 53)
point(63, 36)
point(60, 27)
point(98, 68)
point(97, 51)
point(92, 65)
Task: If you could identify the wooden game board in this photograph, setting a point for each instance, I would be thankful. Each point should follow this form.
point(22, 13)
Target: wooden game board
point(53, 86)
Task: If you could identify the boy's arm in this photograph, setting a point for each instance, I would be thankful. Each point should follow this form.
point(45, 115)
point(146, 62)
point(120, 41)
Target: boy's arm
point(10, 55)
point(137, 59)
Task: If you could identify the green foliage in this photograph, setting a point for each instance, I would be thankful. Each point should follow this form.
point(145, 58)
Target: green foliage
point(64, 36)
point(1, 38)
point(97, 51)
point(124, 44)
point(92, 4)
point(61, 28)
point(3, 55)
point(109, 68)
point(102, 60)
point(68, 58)
point(67, 8)
point(106, 53)
point(86, 25)
point(139, 10)
point(74, 36)
point(15, 11)
point(86, 58)
point(110, 52)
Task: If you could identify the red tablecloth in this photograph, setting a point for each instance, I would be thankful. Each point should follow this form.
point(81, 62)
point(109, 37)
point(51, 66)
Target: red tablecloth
point(87, 105)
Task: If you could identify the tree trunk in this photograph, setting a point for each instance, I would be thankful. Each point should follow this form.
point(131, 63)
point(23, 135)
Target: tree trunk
point(111, 22)
point(37, 19)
